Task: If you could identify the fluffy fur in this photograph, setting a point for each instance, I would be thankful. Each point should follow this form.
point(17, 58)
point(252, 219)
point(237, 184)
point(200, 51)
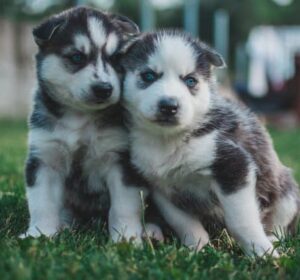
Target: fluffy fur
point(77, 140)
point(209, 160)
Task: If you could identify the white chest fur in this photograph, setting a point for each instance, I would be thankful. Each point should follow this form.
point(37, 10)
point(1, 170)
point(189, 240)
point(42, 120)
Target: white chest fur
point(72, 131)
point(168, 163)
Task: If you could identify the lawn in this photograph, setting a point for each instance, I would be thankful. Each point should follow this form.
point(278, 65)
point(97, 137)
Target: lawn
point(90, 255)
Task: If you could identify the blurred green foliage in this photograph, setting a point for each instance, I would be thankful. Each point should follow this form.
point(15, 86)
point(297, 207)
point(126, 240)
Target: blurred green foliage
point(244, 14)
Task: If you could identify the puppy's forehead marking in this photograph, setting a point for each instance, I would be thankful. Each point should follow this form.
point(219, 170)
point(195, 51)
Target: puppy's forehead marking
point(111, 43)
point(174, 53)
point(82, 43)
point(97, 31)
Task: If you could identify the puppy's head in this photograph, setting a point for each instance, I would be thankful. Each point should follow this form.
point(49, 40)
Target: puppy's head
point(168, 78)
point(74, 58)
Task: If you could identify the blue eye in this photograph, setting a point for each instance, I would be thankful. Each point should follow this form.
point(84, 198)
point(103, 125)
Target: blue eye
point(77, 58)
point(190, 82)
point(149, 76)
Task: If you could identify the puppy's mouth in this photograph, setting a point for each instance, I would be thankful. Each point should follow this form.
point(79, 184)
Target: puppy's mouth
point(166, 120)
point(96, 101)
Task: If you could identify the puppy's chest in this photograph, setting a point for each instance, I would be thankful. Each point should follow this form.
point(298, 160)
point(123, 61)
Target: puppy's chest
point(99, 140)
point(97, 145)
point(187, 165)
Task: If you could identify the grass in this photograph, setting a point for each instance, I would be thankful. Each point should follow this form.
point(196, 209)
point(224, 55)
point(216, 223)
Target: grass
point(90, 255)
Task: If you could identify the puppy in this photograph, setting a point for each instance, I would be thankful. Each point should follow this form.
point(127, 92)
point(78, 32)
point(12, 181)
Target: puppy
point(210, 160)
point(76, 141)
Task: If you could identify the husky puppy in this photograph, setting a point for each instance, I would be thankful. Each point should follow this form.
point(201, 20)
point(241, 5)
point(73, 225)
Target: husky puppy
point(209, 160)
point(74, 167)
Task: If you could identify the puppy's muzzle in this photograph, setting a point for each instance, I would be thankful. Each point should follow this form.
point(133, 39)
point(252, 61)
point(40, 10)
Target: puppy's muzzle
point(102, 91)
point(168, 107)
point(167, 111)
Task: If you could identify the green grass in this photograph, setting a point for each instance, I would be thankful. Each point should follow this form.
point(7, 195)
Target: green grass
point(89, 255)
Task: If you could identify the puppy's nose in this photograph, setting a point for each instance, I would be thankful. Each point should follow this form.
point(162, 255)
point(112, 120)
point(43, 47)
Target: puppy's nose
point(102, 90)
point(168, 106)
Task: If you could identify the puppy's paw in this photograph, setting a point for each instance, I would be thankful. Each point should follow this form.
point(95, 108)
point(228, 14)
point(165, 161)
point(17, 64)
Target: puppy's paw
point(262, 250)
point(124, 227)
point(153, 231)
point(273, 238)
point(271, 252)
point(194, 241)
point(127, 233)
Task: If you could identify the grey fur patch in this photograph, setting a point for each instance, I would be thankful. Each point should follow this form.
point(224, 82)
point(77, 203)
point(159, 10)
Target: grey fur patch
point(222, 119)
point(40, 119)
point(33, 164)
point(46, 111)
point(84, 204)
point(110, 117)
point(138, 52)
point(207, 211)
point(131, 175)
point(231, 167)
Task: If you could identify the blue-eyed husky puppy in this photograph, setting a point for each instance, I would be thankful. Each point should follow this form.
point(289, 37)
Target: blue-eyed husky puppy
point(209, 160)
point(76, 137)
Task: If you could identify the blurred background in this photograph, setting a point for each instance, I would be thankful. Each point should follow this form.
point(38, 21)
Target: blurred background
point(259, 39)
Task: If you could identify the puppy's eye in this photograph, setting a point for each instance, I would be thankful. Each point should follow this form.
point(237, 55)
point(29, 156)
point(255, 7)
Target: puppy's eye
point(77, 58)
point(149, 76)
point(190, 82)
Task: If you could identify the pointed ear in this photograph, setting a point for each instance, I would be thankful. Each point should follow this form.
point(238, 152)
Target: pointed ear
point(120, 56)
point(124, 25)
point(127, 44)
point(44, 32)
point(212, 56)
point(215, 58)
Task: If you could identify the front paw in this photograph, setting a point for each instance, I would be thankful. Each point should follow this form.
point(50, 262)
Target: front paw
point(36, 231)
point(194, 241)
point(124, 228)
point(125, 231)
point(262, 249)
point(153, 231)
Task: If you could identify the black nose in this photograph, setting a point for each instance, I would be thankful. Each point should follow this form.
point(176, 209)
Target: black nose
point(102, 90)
point(168, 106)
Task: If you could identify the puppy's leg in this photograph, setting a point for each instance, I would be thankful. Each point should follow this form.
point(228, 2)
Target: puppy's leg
point(242, 216)
point(124, 219)
point(190, 231)
point(45, 199)
point(285, 214)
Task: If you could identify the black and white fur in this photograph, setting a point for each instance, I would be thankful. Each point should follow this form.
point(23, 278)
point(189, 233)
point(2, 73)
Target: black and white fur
point(76, 141)
point(209, 160)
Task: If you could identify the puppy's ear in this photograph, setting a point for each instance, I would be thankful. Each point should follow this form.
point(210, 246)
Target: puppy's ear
point(127, 44)
point(215, 58)
point(125, 25)
point(208, 53)
point(119, 58)
point(44, 32)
